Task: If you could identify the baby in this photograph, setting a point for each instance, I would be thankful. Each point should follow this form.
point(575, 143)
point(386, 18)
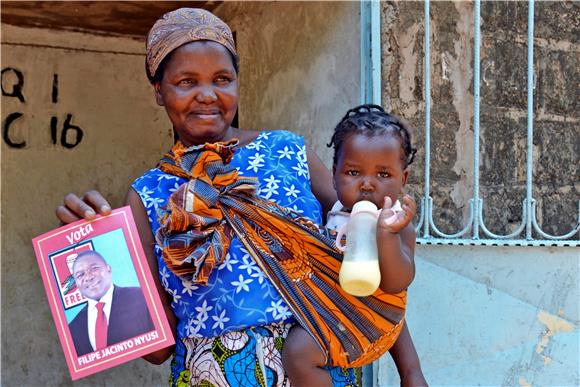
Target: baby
point(372, 152)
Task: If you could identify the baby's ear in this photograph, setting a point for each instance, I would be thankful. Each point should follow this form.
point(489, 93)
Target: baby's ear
point(405, 176)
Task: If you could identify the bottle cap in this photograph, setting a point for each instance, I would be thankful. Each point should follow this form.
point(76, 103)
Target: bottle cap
point(364, 206)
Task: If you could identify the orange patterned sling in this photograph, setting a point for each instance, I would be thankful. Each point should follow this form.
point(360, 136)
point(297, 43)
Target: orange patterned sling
point(215, 204)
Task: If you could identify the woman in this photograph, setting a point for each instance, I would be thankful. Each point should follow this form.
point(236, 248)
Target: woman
point(230, 331)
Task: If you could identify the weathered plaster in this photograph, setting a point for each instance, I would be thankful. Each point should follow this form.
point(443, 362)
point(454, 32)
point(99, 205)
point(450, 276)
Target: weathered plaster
point(503, 107)
point(409, 57)
point(461, 77)
point(494, 316)
point(554, 325)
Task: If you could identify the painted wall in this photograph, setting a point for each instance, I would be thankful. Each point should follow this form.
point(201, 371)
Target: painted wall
point(491, 315)
point(482, 316)
point(304, 84)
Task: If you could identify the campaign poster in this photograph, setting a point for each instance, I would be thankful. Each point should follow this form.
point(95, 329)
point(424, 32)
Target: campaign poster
point(101, 293)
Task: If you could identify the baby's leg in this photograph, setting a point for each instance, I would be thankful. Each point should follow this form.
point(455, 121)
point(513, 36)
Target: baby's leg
point(303, 360)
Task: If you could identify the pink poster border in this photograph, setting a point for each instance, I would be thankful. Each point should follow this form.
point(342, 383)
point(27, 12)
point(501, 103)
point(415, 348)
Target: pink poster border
point(55, 240)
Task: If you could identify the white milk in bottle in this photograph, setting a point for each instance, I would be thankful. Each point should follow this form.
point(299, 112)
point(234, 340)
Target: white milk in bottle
point(360, 274)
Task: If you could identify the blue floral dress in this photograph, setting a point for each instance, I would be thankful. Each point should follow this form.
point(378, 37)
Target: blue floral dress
point(235, 326)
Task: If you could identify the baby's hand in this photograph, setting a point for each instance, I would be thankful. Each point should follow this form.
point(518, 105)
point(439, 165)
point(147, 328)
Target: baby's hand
point(395, 221)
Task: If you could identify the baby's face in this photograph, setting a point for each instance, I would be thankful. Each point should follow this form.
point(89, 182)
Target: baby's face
point(369, 168)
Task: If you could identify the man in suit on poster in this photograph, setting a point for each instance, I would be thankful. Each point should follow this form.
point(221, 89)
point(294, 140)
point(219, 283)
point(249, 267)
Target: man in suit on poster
point(112, 314)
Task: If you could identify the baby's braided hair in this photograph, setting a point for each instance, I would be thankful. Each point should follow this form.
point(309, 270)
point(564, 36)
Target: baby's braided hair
point(372, 120)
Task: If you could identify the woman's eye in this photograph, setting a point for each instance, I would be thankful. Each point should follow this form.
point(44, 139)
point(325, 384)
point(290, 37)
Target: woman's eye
point(383, 175)
point(352, 172)
point(185, 82)
point(222, 80)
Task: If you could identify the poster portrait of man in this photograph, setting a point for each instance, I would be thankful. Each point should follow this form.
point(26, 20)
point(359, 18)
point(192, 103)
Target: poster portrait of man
point(112, 313)
point(102, 296)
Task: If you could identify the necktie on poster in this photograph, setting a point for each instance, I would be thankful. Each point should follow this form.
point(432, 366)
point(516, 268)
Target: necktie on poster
point(101, 326)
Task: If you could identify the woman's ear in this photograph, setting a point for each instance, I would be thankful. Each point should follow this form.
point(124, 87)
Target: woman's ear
point(158, 95)
point(333, 180)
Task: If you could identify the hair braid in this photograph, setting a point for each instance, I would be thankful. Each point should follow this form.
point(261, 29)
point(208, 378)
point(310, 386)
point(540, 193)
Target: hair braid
point(372, 120)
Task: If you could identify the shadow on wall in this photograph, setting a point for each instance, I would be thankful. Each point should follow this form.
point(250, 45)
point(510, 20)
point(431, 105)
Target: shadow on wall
point(494, 316)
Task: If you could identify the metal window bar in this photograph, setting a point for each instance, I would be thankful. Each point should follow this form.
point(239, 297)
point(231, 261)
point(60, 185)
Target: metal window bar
point(475, 223)
point(370, 62)
point(370, 52)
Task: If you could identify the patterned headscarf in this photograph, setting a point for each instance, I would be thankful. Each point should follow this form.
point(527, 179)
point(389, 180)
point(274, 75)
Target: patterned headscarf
point(182, 26)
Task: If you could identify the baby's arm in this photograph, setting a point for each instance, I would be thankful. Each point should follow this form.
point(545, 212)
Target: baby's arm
point(396, 244)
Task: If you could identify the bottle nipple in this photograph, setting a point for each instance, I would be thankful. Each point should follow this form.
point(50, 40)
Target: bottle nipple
point(364, 206)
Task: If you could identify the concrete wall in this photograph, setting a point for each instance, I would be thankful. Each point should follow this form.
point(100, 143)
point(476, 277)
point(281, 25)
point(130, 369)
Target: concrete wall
point(483, 316)
point(102, 86)
point(491, 315)
point(503, 120)
point(299, 64)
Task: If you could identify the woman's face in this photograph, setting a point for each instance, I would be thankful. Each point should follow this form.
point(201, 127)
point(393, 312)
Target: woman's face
point(199, 91)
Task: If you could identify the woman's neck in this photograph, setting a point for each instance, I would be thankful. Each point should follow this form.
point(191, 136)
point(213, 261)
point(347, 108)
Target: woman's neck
point(244, 136)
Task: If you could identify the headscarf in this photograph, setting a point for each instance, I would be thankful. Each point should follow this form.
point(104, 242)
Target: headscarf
point(182, 26)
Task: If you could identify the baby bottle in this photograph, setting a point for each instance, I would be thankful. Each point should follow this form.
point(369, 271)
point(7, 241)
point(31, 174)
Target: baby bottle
point(360, 274)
